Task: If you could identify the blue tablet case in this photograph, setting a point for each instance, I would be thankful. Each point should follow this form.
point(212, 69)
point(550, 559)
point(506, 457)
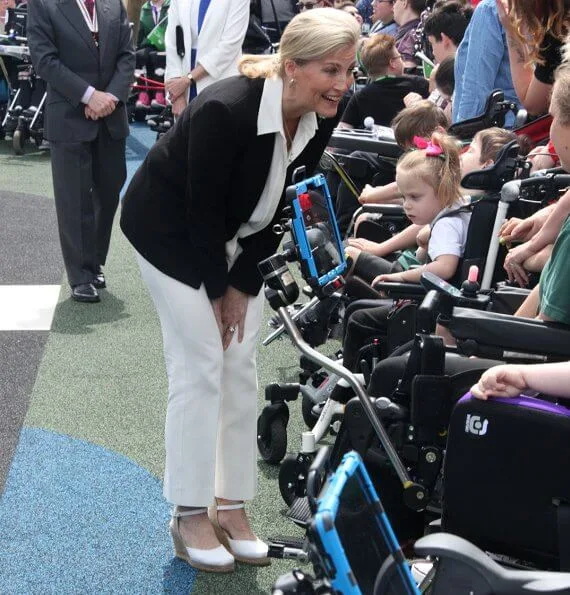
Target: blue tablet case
point(313, 213)
point(353, 534)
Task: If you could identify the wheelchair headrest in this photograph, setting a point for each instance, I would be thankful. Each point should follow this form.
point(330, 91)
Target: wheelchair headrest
point(493, 115)
point(492, 178)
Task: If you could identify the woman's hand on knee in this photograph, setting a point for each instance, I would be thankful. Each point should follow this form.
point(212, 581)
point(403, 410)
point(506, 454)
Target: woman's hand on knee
point(234, 309)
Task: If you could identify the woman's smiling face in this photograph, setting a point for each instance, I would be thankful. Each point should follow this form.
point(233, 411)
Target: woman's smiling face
point(320, 84)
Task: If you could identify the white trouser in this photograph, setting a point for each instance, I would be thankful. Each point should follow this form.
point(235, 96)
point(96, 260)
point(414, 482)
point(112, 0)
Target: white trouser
point(212, 395)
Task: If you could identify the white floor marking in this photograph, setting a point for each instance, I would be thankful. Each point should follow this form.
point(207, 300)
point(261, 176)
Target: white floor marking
point(27, 307)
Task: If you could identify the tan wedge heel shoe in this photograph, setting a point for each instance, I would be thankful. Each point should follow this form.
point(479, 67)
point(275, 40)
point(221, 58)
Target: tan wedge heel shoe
point(216, 559)
point(248, 551)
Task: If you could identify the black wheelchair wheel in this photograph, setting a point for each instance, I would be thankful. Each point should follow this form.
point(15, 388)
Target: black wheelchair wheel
point(18, 142)
point(293, 477)
point(272, 445)
point(307, 405)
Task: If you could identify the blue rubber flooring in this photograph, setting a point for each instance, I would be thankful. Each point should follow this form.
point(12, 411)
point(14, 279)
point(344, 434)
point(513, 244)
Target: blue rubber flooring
point(119, 535)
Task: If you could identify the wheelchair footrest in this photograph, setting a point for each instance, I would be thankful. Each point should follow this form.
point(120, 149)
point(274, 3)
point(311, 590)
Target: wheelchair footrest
point(287, 548)
point(300, 512)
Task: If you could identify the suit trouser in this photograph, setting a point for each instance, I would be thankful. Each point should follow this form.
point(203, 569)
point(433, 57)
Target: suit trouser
point(211, 415)
point(87, 180)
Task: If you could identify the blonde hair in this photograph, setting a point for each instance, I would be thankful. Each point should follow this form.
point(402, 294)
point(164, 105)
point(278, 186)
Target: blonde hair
point(531, 20)
point(420, 119)
point(442, 172)
point(310, 35)
point(561, 93)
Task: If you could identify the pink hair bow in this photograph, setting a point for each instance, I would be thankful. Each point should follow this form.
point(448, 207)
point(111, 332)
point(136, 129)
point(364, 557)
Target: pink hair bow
point(431, 149)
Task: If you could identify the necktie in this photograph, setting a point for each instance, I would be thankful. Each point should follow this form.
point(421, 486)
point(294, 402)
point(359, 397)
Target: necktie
point(89, 5)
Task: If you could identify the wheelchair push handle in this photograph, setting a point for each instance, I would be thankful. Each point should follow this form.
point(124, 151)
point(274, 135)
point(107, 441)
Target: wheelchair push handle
point(535, 187)
point(415, 495)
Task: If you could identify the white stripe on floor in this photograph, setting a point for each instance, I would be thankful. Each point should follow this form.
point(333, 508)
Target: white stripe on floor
point(27, 307)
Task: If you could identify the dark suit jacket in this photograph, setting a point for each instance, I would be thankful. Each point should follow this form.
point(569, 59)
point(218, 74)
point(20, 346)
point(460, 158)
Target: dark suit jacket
point(201, 181)
point(66, 57)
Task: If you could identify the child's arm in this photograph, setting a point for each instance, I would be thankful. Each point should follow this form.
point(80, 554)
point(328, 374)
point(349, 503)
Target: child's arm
point(444, 248)
point(510, 380)
point(380, 194)
point(403, 239)
point(443, 266)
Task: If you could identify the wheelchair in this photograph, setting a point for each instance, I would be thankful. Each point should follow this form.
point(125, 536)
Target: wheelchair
point(316, 386)
point(422, 441)
point(415, 429)
point(401, 434)
point(353, 550)
point(149, 79)
point(23, 118)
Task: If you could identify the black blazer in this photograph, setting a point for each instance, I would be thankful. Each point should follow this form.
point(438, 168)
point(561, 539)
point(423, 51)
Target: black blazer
point(201, 181)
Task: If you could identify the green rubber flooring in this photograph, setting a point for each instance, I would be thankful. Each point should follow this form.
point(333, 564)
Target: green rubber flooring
point(101, 379)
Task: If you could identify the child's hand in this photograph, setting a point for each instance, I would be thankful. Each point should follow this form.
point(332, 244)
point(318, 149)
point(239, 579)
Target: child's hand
point(363, 244)
point(500, 381)
point(422, 239)
point(366, 195)
point(390, 278)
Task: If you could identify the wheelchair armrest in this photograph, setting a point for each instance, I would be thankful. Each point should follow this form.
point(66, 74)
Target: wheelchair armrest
point(509, 333)
point(400, 290)
point(507, 299)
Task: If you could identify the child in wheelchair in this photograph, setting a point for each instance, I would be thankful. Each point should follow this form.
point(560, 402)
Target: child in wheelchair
point(420, 119)
point(429, 180)
point(481, 153)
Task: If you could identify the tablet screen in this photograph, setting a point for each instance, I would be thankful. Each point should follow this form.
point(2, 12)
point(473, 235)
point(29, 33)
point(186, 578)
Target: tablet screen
point(320, 233)
point(367, 539)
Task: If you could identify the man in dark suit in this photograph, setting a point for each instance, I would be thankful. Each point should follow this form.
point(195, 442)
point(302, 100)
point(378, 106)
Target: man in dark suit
point(83, 50)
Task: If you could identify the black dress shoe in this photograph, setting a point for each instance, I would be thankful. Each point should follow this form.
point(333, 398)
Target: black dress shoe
point(85, 292)
point(99, 281)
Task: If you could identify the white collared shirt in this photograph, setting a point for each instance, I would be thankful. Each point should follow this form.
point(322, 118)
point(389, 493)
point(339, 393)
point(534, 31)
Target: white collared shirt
point(270, 121)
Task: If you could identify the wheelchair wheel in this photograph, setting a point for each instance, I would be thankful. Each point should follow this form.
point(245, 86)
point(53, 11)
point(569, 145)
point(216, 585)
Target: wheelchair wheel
point(272, 445)
point(18, 142)
point(293, 477)
point(307, 405)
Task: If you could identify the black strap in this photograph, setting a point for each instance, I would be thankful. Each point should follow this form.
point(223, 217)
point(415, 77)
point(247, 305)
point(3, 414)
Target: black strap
point(412, 368)
point(444, 214)
point(180, 49)
point(563, 518)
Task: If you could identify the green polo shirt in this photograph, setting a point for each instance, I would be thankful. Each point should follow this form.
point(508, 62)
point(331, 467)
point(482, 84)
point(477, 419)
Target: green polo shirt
point(555, 279)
